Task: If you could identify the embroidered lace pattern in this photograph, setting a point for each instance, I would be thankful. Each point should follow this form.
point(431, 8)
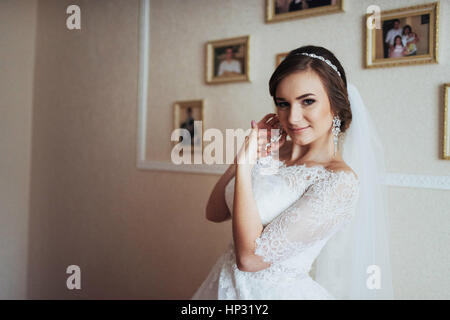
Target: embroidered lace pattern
point(292, 240)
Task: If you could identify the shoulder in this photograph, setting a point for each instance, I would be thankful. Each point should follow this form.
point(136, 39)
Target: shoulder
point(341, 166)
point(337, 193)
point(339, 183)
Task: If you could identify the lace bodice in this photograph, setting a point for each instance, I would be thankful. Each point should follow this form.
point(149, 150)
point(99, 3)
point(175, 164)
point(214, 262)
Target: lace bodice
point(300, 208)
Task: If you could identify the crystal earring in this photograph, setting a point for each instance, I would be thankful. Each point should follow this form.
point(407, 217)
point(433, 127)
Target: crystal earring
point(336, 129)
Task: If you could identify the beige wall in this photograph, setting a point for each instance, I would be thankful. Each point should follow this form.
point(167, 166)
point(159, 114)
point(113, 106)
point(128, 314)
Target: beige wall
point(142, 234)
point(17, 40)
point(88, 205)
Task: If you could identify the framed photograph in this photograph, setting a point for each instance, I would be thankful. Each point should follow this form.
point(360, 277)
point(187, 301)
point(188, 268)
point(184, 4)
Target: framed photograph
point(185, 116)
point(280, 57)
point(227, 60)
point(280, 10)
point(446, 122)
point(405, 36)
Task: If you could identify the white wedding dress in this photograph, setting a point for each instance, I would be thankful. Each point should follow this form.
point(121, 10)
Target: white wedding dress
point(300, 208)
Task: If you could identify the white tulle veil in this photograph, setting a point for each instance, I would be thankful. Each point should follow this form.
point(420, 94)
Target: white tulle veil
point(355, 262)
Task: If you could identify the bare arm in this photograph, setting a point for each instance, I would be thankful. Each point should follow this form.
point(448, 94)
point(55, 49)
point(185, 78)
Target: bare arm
point(246, 223)
point(216, 209)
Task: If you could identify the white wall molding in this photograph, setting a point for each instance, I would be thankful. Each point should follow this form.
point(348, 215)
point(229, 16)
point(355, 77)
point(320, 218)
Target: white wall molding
point(218, 169)
point(391, 179)
point(144, 55)
point(418, 181)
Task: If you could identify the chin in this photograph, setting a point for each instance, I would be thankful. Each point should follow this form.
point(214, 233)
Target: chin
point(300, 140)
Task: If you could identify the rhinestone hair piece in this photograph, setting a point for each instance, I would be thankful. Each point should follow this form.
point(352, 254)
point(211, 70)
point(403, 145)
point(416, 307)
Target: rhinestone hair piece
point(328, 62)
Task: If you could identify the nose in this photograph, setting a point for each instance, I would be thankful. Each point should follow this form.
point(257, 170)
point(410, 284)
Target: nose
point(295, 114)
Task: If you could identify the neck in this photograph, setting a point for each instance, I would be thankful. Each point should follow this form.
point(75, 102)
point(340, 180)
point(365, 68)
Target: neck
point(320, 150)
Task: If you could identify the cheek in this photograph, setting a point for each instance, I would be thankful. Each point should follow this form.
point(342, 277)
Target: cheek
point(320, 117)
point(317, 115)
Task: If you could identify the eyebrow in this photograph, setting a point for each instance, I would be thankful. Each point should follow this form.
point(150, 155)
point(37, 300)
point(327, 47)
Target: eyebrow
point(298, 98)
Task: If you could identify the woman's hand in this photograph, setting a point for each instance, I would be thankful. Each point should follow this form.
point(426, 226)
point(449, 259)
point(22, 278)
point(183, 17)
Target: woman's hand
point(265, 135)
point(255, 143)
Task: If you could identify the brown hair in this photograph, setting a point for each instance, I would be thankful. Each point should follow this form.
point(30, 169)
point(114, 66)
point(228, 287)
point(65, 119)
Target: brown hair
point(335, 85)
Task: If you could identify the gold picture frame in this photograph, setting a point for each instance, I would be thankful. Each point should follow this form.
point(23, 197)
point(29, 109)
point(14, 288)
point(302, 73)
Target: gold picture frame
point(228, 60)
point(185, 113)
point(284, 8)
point(446, 148)
point(280, 57)
point(379, 53)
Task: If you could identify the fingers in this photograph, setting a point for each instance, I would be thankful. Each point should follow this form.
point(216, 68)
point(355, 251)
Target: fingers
point(264, 137)
point(267, 117)
point(263, 153)
point(268, 122)
point(272, 122)
point(254, 131)
point(276, 145)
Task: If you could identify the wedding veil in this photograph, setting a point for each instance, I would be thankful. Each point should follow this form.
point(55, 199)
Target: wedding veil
point(355, 262)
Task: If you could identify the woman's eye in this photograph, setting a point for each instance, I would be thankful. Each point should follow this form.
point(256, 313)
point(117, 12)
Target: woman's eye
point(283, 104)
point(308, 101)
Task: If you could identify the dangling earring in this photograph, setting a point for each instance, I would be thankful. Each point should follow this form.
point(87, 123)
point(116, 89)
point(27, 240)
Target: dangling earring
point(336, 129)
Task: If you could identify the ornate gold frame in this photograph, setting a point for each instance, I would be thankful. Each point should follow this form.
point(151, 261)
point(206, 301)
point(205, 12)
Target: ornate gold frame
point(272, 17)
point(209, 53)
point(177, 106)
point(433, 55)
point(279, 57)
point(446, 148)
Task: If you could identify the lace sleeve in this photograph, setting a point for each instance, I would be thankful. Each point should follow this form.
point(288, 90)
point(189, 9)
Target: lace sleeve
point(324, 207)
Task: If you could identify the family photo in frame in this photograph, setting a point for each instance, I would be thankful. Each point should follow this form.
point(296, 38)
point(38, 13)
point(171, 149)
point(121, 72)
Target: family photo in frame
point(280, 10)
point(185, 115)
point(407, 36)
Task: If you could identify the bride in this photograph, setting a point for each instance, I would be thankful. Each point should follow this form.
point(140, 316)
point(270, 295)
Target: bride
point(308, 219)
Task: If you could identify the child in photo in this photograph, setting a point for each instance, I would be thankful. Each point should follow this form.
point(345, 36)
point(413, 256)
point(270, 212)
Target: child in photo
point(399, 49)
point(411, 48)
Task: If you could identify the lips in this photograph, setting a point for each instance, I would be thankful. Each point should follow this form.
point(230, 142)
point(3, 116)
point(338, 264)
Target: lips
point(299, 129)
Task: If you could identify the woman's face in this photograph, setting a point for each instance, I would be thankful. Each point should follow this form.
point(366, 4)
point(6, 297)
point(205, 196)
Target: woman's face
point(302, 102)
point(398, 41)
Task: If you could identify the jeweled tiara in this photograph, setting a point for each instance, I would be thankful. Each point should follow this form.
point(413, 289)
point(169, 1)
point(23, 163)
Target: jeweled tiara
point(328, 62)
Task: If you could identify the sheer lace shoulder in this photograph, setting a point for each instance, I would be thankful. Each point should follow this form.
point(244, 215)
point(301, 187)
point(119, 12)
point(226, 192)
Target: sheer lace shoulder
point(326, 206)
